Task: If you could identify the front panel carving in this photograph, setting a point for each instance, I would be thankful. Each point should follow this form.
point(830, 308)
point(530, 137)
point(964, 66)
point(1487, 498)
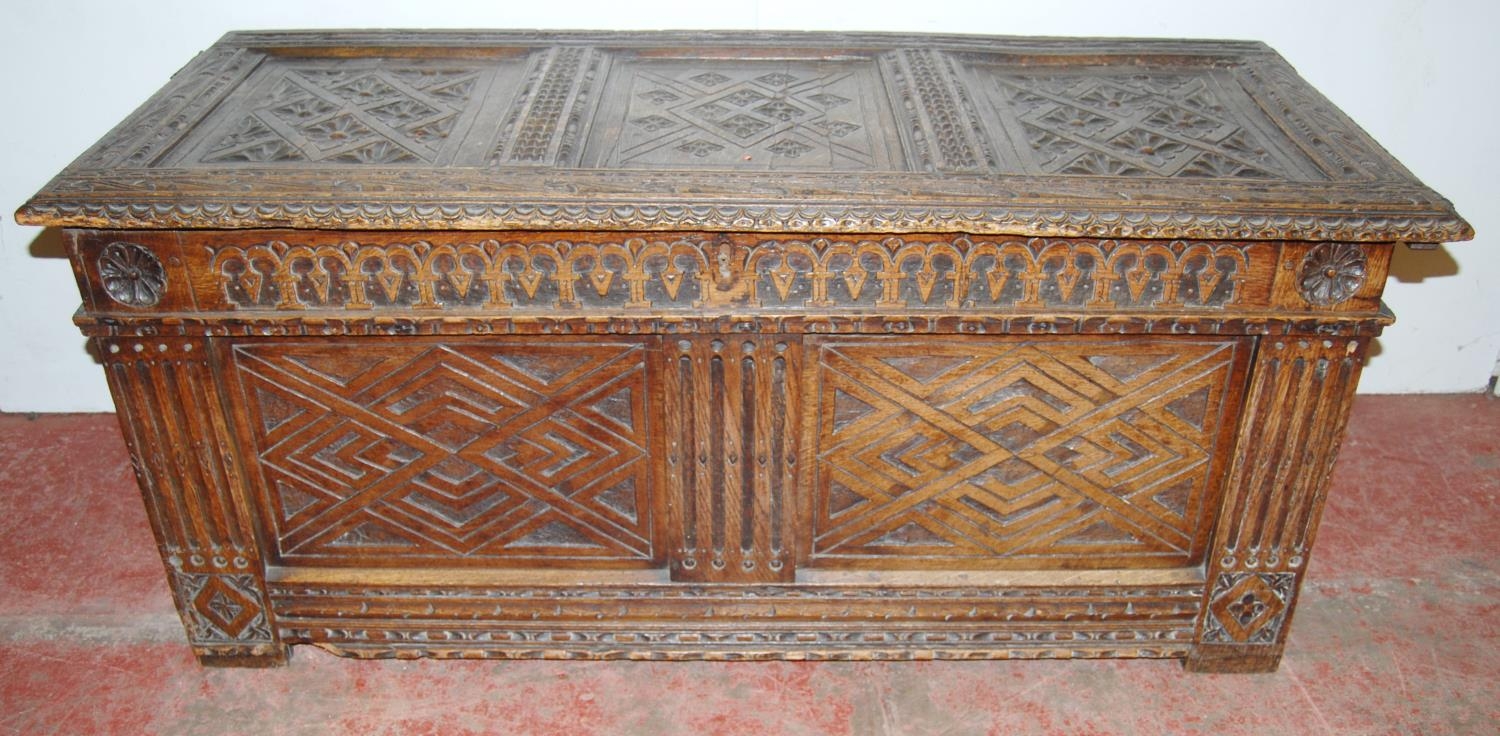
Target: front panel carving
point(1019, 453)
point(479, 452)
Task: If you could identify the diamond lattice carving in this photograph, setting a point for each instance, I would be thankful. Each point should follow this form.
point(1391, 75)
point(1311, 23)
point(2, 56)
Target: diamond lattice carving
point(1055, 453)
point(743, 116)
point(396, 114)
point(1136, 125)
point(481, 450)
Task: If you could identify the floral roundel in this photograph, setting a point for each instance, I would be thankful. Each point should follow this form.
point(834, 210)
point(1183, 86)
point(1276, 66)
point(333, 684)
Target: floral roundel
point(1331, 273)
point(132, 275)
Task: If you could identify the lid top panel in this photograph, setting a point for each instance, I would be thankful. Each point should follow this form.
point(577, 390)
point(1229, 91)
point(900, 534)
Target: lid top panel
point(745, 131)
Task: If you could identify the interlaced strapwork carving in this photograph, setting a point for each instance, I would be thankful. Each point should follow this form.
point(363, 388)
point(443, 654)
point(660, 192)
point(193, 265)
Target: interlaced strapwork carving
point(480, 450)
point(1055, 453)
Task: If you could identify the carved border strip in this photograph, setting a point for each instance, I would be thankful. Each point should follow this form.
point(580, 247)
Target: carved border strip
point(1187, 595)
point(814, 40)
point(152, 328)
point(660, 215)
point(801, 652)
point(807, 646)
point(697, 273)
point(561, 623)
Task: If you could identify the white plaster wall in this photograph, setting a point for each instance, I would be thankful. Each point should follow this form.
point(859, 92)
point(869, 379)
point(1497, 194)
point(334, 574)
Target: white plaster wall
point(1419, 75)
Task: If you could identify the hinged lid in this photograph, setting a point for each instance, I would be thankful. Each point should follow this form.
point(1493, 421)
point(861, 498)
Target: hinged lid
point(745, 131)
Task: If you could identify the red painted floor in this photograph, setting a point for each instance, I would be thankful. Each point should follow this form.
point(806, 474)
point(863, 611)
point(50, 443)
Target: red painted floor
point(1397, 631)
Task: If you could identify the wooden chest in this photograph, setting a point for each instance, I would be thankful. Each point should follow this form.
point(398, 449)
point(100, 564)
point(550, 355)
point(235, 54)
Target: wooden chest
point(738, 345)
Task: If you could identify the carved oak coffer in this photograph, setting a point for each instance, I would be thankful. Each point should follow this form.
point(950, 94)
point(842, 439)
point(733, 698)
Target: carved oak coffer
point(735, 345)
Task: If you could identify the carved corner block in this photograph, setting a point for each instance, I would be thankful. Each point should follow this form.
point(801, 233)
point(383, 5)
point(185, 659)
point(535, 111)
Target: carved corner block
point(191, 481)
point(1298, 404)
point(1248, 607)
point(225, 612)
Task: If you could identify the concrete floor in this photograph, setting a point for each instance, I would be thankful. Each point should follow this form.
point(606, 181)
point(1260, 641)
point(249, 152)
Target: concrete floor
point(1397, 631)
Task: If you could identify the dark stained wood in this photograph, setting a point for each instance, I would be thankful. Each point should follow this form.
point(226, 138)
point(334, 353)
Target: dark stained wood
point(735, 346)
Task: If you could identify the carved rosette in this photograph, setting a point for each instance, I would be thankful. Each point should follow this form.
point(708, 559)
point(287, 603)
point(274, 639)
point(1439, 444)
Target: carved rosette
point(1331, 273)
point(132, 275)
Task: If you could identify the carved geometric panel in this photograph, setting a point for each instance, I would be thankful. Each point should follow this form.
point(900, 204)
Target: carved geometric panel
point(335, 112)
point(782, 114)
point(482, 450)
point(1013, 453)
point(1136, 122)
